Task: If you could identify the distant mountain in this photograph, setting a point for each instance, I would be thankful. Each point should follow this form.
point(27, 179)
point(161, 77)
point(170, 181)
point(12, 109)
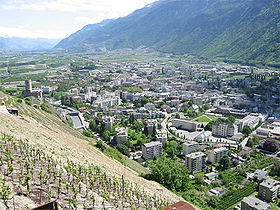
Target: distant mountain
point(23, 44)
point(83, 34)
point(231, 30)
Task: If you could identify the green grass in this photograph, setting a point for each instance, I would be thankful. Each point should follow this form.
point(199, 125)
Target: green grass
point(212, 117)
point(204, 119)
point(114, 153)
point(238, 76)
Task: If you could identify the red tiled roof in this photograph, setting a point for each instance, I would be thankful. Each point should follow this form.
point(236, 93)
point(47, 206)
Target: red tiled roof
point(181, 205)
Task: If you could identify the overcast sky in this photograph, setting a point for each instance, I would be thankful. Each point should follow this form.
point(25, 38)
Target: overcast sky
point(59, 18)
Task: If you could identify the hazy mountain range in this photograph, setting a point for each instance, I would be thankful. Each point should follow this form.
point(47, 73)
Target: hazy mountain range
point(235, 30)
point(22, 44)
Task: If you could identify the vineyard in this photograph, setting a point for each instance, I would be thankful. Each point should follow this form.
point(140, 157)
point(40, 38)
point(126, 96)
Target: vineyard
point(28, 171)
point(230, 199)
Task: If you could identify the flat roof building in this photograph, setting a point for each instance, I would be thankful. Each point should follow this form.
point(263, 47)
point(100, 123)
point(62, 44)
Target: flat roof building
point(215, 155)
point(152, 150)
point(269, 190)
point(121, 135)
point(189, 147)
point(253, 203)
point(195, 162)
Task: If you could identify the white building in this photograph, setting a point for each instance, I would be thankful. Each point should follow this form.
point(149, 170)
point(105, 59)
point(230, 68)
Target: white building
point(107, 100)
point(161, 136)
point(251, 121)
point(224, 129)
point(121, 134)
point(215, 155)
point(152, 150)
point(189, 147)
point(185, 124)
point(195, 162)
point(253, 203)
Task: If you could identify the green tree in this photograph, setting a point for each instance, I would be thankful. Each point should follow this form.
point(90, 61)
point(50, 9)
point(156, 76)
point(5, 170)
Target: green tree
point(247, 131)
point(169, 173)
point(224, 163)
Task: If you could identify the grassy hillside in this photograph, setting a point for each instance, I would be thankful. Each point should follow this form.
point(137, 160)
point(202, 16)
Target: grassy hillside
point(62, 143)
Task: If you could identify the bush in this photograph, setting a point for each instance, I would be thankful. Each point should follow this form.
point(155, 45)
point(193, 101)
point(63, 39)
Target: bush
point(100, 145)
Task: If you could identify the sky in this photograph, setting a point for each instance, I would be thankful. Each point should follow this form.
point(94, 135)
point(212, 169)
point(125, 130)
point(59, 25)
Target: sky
point(59, 18)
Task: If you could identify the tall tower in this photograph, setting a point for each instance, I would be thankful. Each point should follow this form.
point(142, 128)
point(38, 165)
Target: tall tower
point(28, 85)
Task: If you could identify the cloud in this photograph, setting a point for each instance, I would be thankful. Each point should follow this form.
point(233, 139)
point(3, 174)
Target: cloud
point(26, 33)
point(115, 6)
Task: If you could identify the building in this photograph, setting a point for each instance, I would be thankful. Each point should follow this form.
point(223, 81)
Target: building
point(261, 175)
point(108, 121)
point(150, 106)
point(195, 162)
point(37, 93)
point(185, 124)
point(269, 190)
point(253, 203)
point(151, 127)
point(215, 155)
point(189, 147)
point(161, 136)
point(251, 121)
point(224, 129)
point(107, 100)
point(181, 205)
point(121, 135)
point(152, 150)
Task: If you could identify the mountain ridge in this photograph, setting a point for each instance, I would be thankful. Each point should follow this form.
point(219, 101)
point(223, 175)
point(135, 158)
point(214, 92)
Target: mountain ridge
point(234, 30)
point(26, 44)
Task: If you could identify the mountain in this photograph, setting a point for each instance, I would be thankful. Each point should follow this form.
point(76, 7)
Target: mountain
point(23, 44)
point(83, 34)
point(232, 30)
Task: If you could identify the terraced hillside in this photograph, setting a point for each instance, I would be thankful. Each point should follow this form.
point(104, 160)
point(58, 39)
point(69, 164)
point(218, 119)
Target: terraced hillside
point(67, 147)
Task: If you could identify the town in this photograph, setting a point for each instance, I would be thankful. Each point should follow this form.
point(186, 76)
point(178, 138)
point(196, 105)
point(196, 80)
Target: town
point(217, 122)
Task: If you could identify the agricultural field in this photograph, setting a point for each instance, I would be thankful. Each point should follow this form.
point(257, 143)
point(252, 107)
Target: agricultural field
point(28, 171)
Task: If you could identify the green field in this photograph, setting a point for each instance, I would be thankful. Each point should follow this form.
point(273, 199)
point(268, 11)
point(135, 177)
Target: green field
point(204, 119)
point(212, 117)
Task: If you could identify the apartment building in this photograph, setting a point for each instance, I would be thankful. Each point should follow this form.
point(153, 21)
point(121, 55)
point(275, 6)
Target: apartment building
point(189, 147)
point(108, 121)
point(121, 134)
point(161, 136)
point(215, 155)
point(253, 203)
point(195, 162)
point(185, 124)
point(151, 150)
point(269, 190)
point(151, 126)
point(251, 121)
point(107, 100)
point(224, 129)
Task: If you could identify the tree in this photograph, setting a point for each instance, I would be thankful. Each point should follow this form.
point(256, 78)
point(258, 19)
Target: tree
point(271, 145)
point(169, 173)
point(224, 163)
point(247, 131)
point(250, 143)
point(275, 169)
point(177, 115)
point(123, 149)
point(100, 145)
point(106, 136)
point(231, 119)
